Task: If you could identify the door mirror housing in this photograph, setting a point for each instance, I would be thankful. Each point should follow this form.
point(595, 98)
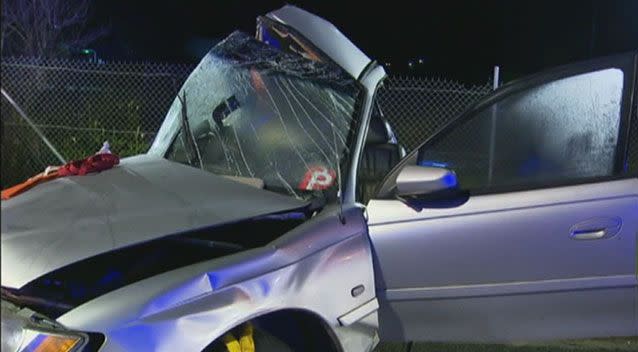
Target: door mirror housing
point(425, 180)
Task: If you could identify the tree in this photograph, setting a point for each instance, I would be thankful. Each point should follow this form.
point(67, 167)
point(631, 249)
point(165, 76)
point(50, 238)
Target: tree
point(46, 28)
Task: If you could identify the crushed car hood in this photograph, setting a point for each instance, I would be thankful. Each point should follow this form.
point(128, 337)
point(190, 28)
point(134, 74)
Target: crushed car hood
point(69, 219)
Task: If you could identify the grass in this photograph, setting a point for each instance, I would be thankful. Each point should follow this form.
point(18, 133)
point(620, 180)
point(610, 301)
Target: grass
point(598, 345)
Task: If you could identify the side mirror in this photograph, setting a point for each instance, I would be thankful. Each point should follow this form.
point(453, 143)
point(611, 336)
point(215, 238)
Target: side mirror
point(425, 180)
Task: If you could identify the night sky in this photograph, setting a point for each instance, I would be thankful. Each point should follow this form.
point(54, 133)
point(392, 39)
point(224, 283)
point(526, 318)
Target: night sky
point(455, 39)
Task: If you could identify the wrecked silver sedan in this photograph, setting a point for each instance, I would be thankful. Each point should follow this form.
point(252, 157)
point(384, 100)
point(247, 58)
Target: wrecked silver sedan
point(277, 211)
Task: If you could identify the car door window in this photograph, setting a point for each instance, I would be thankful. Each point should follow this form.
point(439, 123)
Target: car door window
point(559, 131)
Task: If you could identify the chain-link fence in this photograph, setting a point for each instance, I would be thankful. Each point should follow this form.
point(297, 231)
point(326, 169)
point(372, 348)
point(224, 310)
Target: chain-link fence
point(417, 107)
point(78, 105)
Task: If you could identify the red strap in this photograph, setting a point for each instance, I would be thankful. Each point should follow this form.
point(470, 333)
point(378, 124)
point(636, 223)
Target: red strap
point(95, 163)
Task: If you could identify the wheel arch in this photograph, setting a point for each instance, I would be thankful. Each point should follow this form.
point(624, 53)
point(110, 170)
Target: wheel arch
point(301, 328)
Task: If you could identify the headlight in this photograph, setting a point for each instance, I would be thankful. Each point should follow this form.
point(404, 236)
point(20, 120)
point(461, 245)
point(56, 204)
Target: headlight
point(40, 341)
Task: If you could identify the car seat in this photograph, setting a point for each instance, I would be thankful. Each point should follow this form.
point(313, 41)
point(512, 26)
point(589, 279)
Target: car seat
point(381, 153)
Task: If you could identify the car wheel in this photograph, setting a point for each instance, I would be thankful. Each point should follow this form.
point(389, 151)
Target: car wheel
point(268, 343)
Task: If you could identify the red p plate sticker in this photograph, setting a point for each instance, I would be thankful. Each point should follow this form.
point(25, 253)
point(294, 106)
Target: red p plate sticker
point(318, 178)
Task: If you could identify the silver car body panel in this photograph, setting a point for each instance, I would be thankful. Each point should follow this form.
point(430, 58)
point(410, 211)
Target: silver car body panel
point(325, 36)
point(415, 180)
point(190, 307)
point(504, 267)
point(69, 219)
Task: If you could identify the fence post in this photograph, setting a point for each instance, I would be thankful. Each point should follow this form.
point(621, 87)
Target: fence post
point(495, 79)
point(33, 126)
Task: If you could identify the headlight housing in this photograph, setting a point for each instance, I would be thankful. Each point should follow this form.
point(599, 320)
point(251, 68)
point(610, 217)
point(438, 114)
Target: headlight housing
point(12, 327)
point(28, 332)
point(12, 331)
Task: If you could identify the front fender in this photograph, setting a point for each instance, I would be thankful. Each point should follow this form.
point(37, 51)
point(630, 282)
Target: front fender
point(188, 308)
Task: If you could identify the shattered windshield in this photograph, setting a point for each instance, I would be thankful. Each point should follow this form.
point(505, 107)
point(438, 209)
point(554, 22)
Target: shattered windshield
point(262, 116)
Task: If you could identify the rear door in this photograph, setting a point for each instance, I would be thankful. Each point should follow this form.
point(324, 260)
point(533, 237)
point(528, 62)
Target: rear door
point(545, 245)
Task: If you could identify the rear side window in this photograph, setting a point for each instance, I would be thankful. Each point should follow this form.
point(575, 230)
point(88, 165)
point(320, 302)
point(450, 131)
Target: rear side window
point(559, 131)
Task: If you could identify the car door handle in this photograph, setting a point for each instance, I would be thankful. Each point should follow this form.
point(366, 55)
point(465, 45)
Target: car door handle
point(596, 228)
point(588, 235)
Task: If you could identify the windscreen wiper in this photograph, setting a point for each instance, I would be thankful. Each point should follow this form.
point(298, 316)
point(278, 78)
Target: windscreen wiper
point(191, 146)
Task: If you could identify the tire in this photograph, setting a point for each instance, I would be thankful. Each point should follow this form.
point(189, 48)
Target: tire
point(265, 342)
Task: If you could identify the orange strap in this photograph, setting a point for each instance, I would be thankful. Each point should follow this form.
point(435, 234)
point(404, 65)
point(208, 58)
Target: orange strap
point(28, 184)
point(94, 163)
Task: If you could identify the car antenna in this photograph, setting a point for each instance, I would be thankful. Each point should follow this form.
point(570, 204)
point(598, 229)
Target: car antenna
point(342, 218)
